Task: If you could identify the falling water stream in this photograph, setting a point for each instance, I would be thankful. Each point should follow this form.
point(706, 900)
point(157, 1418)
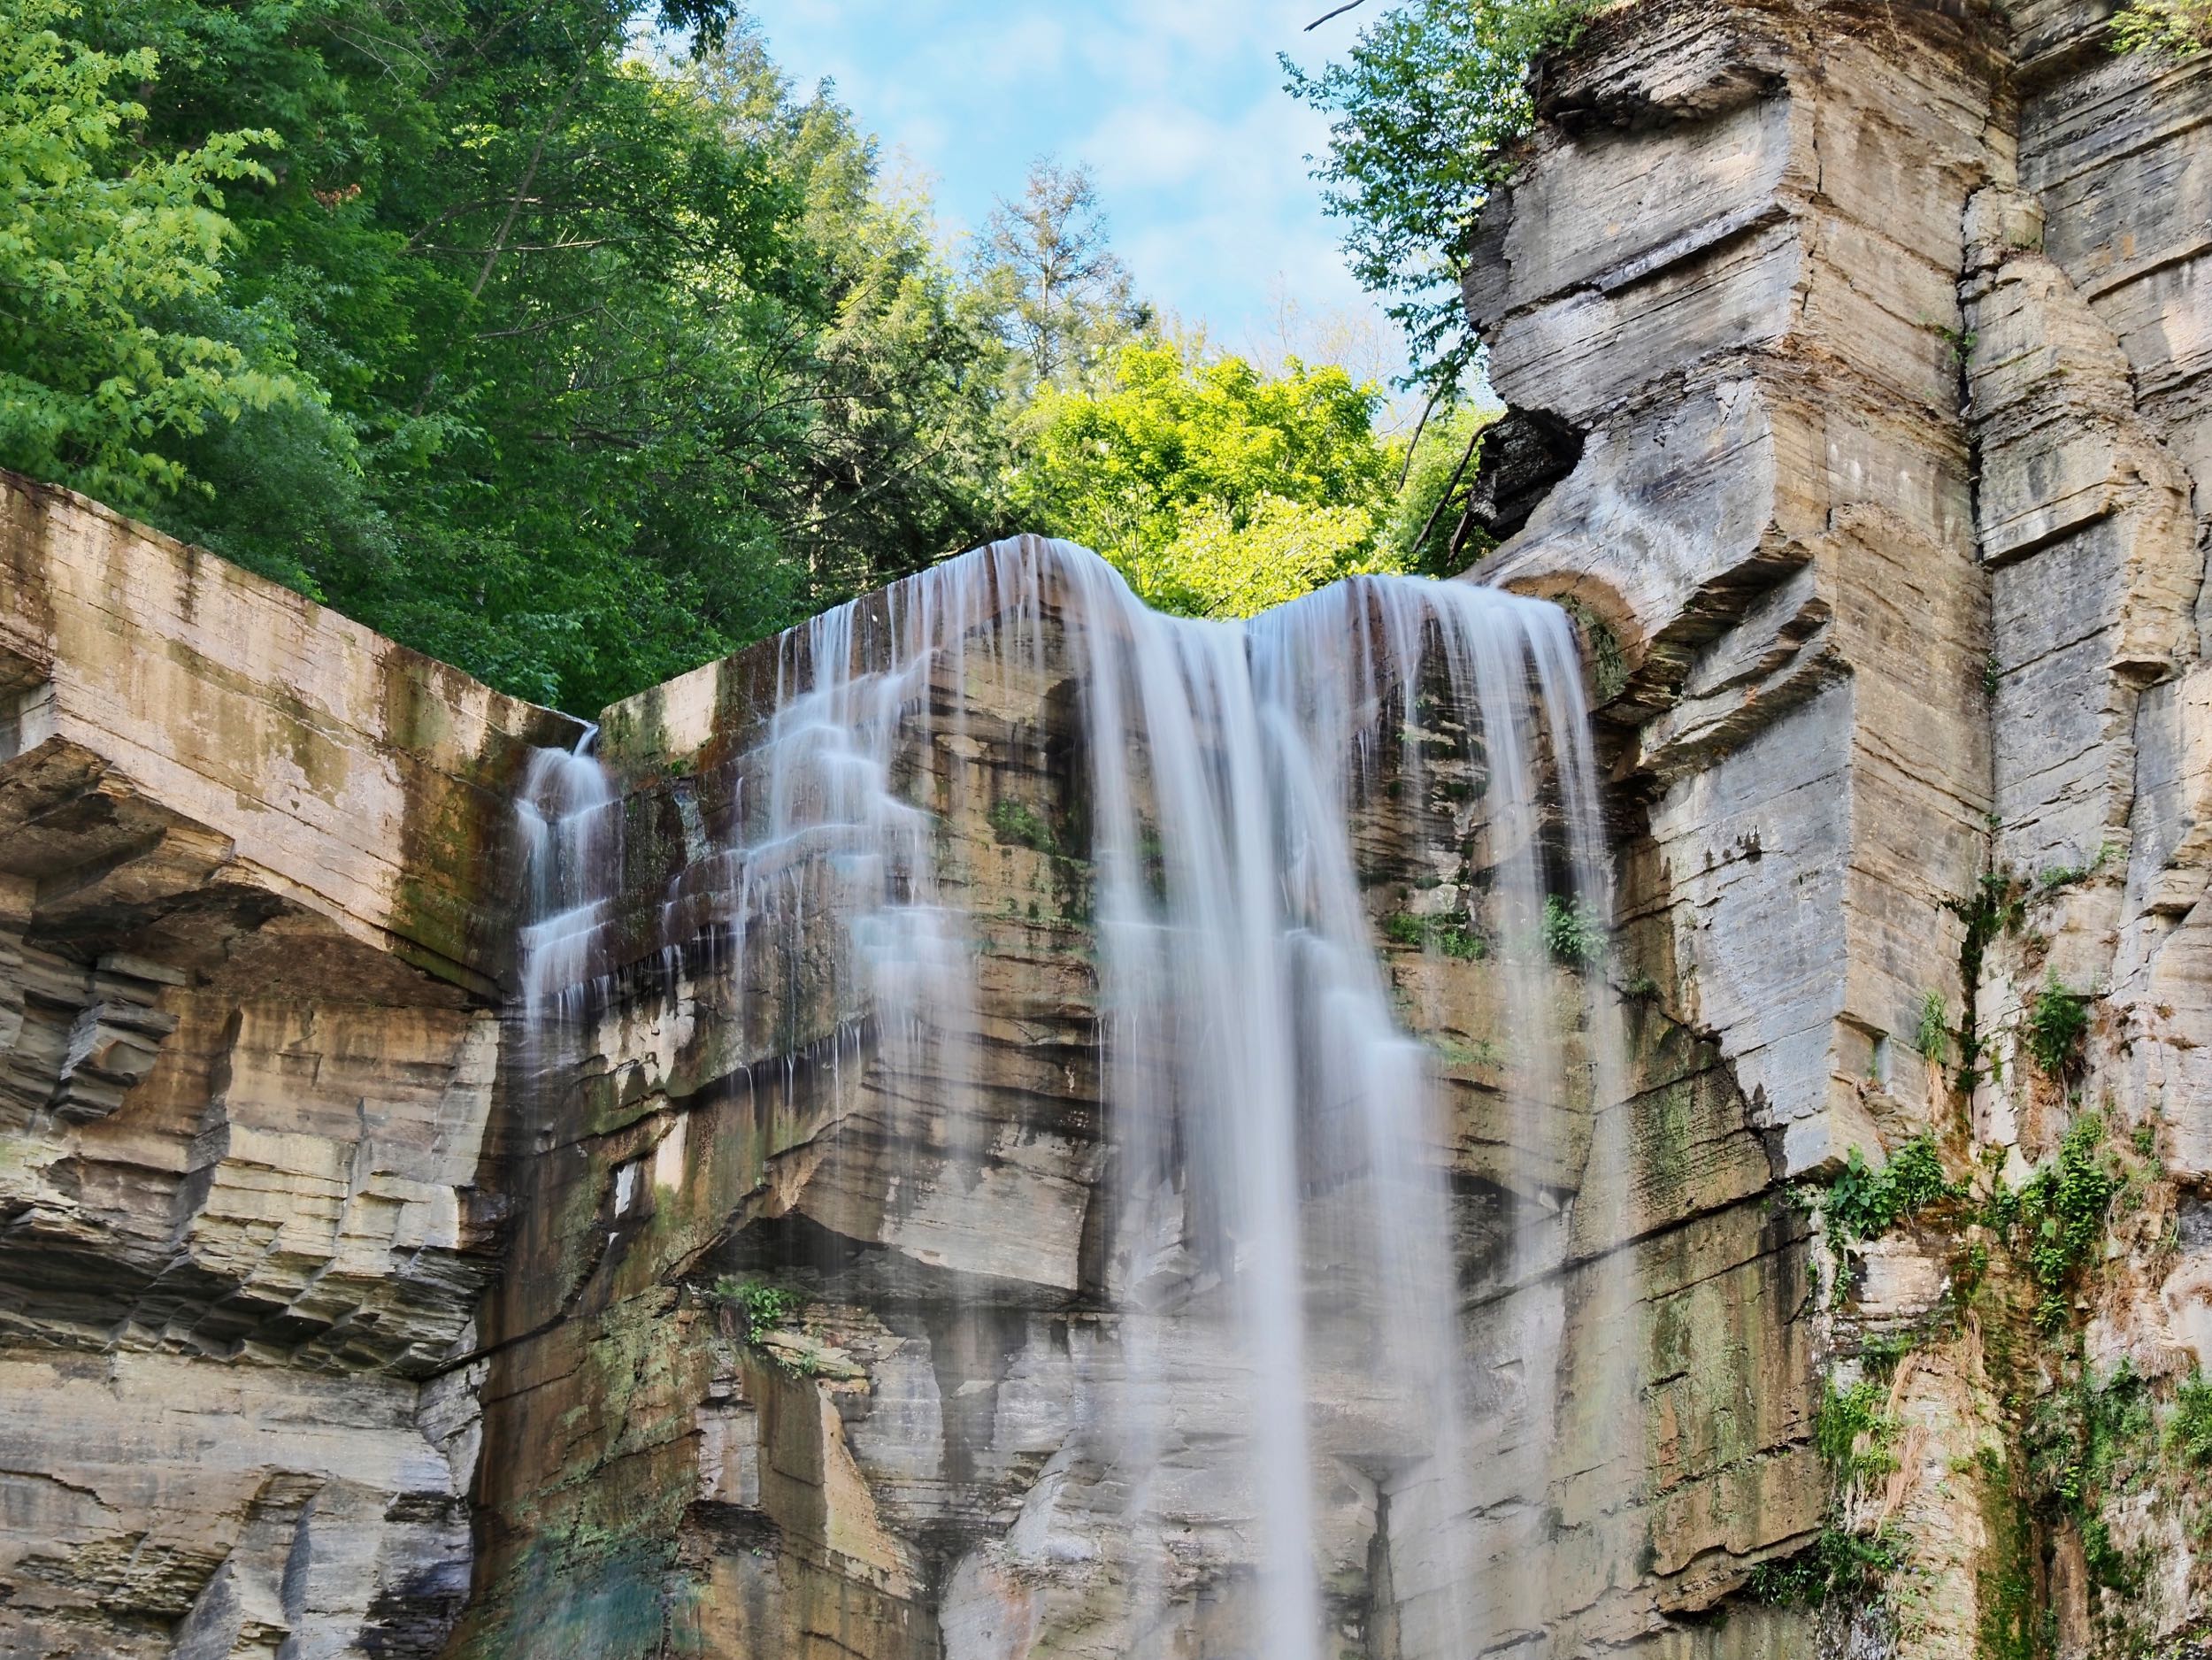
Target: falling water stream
point(1280, 1135)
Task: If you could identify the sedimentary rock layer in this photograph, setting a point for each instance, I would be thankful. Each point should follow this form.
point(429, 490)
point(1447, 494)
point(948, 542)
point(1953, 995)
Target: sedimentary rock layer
point(252, 933)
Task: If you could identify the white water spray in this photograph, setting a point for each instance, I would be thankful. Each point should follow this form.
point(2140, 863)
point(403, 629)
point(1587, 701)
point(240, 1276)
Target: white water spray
point(1282, 1154)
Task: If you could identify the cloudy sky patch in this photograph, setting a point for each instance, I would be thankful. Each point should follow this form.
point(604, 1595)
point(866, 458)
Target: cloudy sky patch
point(1179, 106)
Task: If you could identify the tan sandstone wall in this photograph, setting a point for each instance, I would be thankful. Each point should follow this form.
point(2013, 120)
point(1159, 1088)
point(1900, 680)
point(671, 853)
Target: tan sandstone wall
point(252, 929)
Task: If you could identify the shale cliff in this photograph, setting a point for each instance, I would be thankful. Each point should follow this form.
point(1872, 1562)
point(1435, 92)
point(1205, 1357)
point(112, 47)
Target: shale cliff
point(361, 1293)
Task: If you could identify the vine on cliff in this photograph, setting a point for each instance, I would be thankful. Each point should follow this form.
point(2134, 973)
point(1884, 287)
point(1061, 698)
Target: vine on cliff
point(1997, 905)
point(1855, 1431)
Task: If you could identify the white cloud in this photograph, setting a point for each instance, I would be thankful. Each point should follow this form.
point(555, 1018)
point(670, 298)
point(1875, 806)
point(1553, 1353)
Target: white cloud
point(1177, 104)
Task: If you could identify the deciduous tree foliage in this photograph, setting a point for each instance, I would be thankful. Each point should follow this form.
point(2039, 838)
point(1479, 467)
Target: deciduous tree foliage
point(566, 367)
point(104, 270)
point(1217, 491)
point(1429, 529)
point(2177, 29)
point(1217, 566)
point(1425, 108)
point(577, 354)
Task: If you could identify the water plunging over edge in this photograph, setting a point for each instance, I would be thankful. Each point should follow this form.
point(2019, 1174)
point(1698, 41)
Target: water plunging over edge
point(1279, 1143)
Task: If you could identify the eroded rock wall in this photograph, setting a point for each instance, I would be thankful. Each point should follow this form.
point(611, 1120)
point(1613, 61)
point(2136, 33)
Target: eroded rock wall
point(1880, 328)
point(249, 1040)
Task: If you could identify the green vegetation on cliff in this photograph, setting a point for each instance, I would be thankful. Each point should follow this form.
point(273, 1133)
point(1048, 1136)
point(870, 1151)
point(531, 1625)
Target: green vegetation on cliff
point(2176, 27)
point(1861, 1202)
point(2057, 1220)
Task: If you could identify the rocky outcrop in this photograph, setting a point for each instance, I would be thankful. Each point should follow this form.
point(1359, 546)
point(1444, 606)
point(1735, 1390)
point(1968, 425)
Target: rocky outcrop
point(250, 948)
point(1879, 325)
point(1750, 310)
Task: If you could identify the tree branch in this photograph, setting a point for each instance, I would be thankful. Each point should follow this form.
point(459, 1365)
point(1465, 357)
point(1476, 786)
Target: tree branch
point(1420, 427)
point(1435, 512)
point(1348, 5)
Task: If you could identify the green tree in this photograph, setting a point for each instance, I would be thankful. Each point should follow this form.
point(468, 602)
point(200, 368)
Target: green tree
point(1218, 568)
point(1062, 297)
point(1217, 490)
point(103, 269)
point(605, 366)
point(906, 442)
point(528, 279)
point(1426, 107)
point(576, 367)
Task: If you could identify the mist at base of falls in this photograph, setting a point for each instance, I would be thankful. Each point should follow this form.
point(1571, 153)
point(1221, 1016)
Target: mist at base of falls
point(1287, 1250)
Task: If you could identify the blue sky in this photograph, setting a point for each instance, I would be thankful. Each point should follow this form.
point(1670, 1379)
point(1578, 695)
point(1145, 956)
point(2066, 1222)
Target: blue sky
point(1176, 104)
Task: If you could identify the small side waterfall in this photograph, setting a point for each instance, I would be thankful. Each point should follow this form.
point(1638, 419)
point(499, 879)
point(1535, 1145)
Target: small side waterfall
point(1281, 1275)
point(566, 818)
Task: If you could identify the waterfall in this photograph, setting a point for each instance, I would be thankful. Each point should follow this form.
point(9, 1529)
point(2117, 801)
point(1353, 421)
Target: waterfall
point(565, 817)
point(1280, 1283)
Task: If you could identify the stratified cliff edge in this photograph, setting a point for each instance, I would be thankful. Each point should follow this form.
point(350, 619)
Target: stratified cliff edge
point(1881, 329)
point(248, 1058)
point(1858, 372)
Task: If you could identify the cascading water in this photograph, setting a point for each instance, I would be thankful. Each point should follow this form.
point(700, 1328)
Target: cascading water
point(1281, 1211)
point(565, 817)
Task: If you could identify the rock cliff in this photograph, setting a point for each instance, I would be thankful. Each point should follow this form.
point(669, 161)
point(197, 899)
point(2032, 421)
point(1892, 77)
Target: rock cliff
point(361, 1296)
point(1878, 327)
point(249, 1056)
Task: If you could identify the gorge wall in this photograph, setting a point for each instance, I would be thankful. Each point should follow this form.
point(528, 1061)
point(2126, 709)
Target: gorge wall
point(249, 1061)
point(357, 1299)
point(1881, 330)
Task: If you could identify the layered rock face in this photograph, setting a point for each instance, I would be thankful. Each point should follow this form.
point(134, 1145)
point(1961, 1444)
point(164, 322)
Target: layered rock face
point(249, 1057)
point(369, 1287)
point(1878, 326)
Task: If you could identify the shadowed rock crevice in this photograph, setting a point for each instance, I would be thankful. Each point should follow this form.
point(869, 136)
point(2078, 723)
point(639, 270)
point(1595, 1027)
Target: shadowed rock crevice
point(1524, 452)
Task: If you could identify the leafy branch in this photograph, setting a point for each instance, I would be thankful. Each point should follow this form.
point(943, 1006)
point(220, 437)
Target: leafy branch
point(1428, 108)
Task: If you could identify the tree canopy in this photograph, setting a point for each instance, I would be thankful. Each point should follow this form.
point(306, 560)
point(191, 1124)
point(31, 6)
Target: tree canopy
point(568, 367)
point(1052, 273)
point(102, 368)
point(1220, 491)
point(1424, 110)
point(576, 355)
point(1215, 489)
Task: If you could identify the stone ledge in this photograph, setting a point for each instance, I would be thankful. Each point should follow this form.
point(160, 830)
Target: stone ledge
point(346, 773)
